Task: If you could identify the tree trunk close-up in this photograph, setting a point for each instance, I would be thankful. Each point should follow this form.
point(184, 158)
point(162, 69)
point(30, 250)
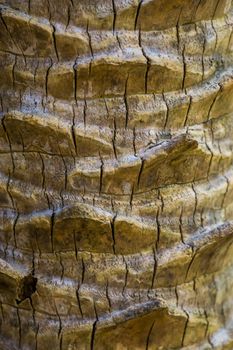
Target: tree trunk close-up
point(116, 174)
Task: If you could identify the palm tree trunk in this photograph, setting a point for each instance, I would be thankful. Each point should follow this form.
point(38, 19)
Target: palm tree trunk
point(116, 182)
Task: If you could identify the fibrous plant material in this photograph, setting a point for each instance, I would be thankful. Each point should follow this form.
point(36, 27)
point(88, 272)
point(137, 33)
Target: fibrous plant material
point(116, 174)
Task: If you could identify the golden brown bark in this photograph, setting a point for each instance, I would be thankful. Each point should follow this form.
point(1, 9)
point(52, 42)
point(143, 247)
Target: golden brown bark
point(116, 174)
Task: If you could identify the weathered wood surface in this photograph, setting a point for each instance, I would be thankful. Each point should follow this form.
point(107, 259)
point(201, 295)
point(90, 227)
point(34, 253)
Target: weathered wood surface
point(116, 174)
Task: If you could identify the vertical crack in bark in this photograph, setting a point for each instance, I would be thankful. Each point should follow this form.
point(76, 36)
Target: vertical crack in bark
point(13, 72)
point(55, 41)
point(1, 104)
point(181, 226)
point(167, 111)
point(20, 328)
point(134, 142)
point(53, 31)
point(14, 228)
point(9, 142)
point(188, 110)
point(210, 342)
point(52, 230)
point(36, 336)
point(140, 172)
point(49, 12)
point(59, 333)
point(184, 68)
point(203, 55)
point(181, 51)
point(202, 219)
point(94, 329)
point(23, 145)
point(216, 35)
point(114, 138)
point(195, 12)
point(126, 103)
point(62, 266)
point(83, 271)
point(207, 324)
point(195, 291)
point(93, 201)
point(178, 36)
point(68, 16)
point(216, 8)
point(114, 16)
point(79, 301)
point(148, 61)
point(119, 42)
point(137, 14)
point(185, 327)
point(131, 197)
point(73, 131)
point(75, 67)
point(149, 334)
point(126, 275)
point(213, 103)
point(191, 262)
point(158, 228)
point(114, 129)
point(64, 163)
point(154, 269)
point(61, 342)
point(47, 77)
point(33, 312)
point(177, 296)
point(101, 174)
point(2, 313)
point(108, 297)
point(75, 245)
point(112, 224)
point(211, 155)
point(43, 184)
point(85, 113)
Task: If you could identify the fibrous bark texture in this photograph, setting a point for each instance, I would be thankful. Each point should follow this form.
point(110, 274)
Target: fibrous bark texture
point(116, 178)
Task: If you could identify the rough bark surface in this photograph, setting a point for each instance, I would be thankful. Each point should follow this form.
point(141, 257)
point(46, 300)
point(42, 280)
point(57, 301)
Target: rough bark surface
point(116, 180)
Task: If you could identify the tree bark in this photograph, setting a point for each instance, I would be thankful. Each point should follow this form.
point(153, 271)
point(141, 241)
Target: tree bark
point(116, 174)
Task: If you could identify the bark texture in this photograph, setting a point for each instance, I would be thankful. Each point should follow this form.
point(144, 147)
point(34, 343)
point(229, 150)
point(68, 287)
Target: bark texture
point(116, 179)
